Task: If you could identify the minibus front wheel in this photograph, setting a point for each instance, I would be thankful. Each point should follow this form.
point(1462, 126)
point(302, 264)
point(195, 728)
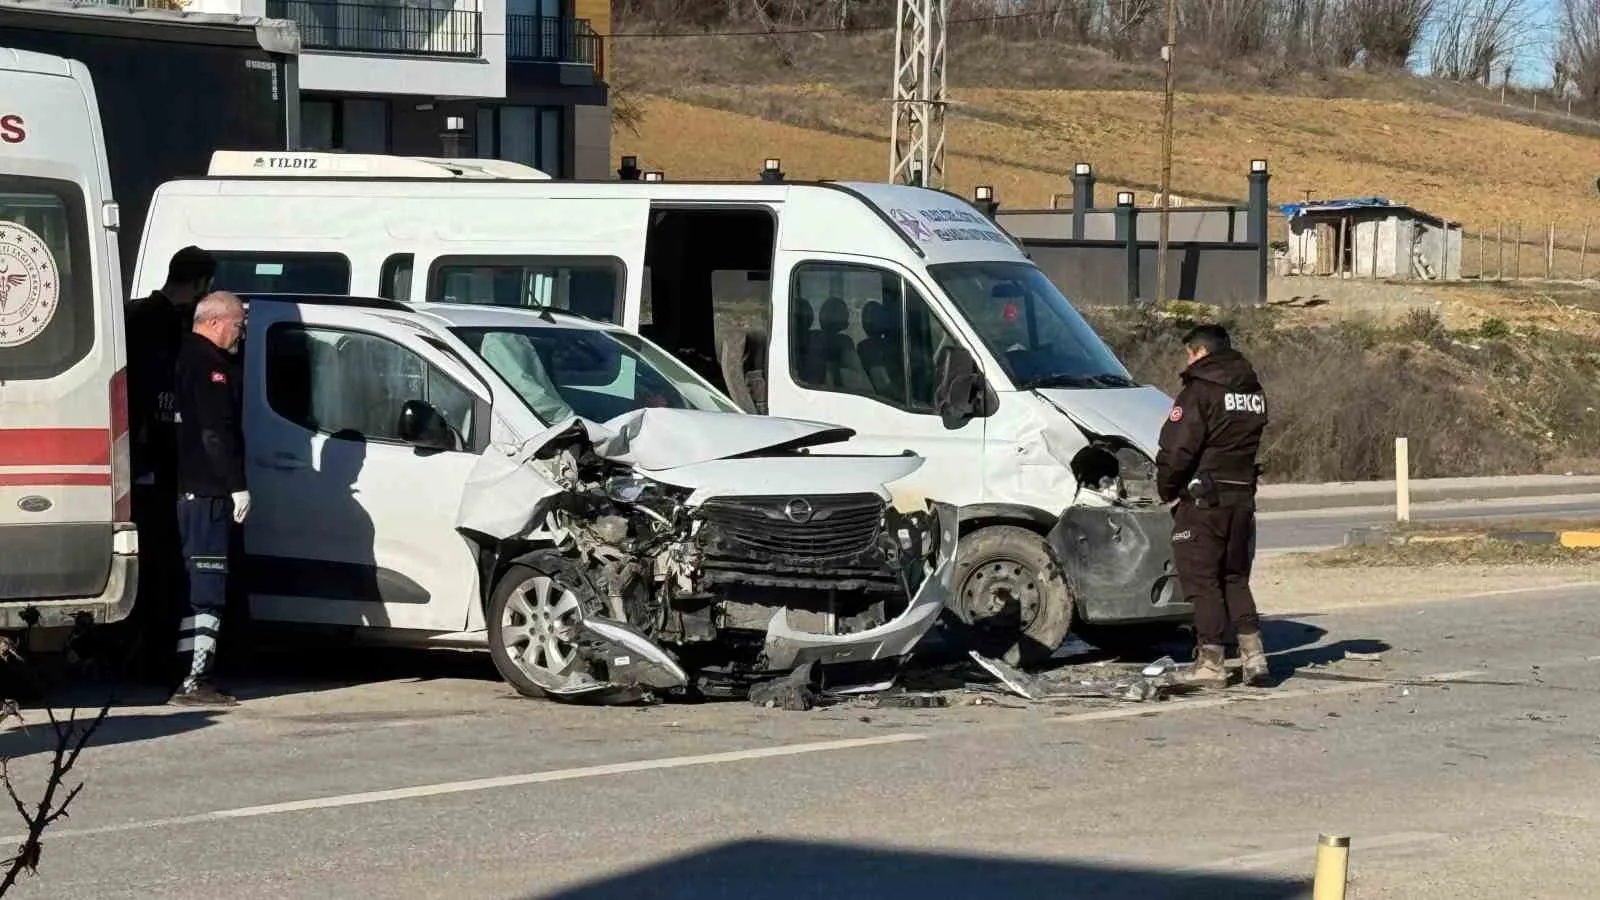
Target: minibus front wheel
point(1010, 595)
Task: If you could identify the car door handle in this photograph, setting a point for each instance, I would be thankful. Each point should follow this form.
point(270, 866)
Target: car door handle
point(283, 462)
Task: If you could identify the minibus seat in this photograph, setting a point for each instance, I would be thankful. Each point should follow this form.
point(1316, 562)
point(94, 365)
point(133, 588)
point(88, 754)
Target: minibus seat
point(806, 360)
point(743, 358)
point(880, 349)
point(842, 365)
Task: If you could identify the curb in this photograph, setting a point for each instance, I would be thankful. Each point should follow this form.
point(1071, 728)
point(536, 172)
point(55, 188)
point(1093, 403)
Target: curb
point(1347, 495)
point(1381, 536)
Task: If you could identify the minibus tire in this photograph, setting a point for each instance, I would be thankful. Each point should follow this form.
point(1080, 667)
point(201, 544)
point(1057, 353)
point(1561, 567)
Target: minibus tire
point(1024, 562)
point(520, 584)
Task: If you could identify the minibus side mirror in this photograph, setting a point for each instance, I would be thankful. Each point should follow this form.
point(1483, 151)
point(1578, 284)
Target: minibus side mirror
point(423, 426)
point(962, 394)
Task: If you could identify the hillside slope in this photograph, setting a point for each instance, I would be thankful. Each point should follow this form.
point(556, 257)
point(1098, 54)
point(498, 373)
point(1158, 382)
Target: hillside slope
point(699, 122)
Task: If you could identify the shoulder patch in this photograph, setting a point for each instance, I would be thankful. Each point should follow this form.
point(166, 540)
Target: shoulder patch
point(1176, 415)
point(218, 378)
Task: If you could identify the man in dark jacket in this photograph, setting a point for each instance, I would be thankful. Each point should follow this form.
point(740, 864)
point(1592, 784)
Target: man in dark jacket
point(1207, 465)
point(156, 326)
point(212, 495)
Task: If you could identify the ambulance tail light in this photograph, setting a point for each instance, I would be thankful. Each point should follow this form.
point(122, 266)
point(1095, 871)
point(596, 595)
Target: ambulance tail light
point(121, 465)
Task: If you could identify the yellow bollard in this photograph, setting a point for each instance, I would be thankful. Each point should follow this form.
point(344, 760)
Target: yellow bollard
point(1333, 867)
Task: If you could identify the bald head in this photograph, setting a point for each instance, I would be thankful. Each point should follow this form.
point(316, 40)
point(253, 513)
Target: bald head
point(219, 318)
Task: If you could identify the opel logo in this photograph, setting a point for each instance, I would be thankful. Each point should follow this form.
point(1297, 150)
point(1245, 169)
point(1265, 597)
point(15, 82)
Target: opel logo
point(798, 510)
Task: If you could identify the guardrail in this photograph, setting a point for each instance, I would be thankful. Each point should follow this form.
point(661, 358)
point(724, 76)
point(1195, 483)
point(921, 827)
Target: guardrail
point(374, 28)
point(552, 39)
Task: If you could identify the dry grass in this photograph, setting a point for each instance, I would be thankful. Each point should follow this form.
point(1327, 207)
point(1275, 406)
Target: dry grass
point(1455, 553)
point(714, 109)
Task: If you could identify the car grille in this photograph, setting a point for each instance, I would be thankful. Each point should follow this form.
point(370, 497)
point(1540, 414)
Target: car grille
point(839, 525)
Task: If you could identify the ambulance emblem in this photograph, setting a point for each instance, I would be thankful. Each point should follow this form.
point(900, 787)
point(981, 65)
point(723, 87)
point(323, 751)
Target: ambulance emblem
point(29, 287)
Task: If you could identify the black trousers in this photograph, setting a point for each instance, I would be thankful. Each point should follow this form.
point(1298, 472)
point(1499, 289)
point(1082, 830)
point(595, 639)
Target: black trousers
point(206, 524)
point(1214, 548)
point(163, 589)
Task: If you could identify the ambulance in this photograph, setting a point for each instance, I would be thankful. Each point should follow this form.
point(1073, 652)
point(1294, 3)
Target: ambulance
point(68, 547)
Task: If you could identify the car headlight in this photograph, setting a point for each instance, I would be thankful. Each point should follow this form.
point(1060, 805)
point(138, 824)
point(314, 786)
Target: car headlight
point(626, 488)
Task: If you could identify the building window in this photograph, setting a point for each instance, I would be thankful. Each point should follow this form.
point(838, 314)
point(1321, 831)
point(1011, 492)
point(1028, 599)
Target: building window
point(351, 125)
point(531, 135)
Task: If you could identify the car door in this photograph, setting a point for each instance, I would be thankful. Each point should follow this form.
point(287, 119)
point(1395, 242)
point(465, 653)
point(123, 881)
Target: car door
point(350, 524)
point(856, 343)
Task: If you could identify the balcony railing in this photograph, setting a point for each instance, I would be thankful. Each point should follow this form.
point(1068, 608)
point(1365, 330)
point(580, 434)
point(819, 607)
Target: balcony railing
point(550, 39)
point(383, 28)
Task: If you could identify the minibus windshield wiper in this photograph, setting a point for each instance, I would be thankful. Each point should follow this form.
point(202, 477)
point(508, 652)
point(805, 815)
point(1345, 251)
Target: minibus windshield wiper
point(1071, 379)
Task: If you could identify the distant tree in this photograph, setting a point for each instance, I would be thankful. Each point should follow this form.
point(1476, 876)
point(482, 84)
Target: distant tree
point(1472, 38)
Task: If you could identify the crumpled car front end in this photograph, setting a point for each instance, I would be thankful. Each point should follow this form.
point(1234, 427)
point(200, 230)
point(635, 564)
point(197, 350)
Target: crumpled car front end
point(684, 568)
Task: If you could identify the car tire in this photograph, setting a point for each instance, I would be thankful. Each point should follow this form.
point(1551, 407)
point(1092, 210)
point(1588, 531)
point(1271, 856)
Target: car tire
point(1011, 595)
point(532, 603)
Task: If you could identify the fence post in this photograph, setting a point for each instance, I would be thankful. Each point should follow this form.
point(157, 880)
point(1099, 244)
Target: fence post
point(1583, 255)
point(1257, 225)
point(1499, 250)
point(1549, 251)
point(1402, 480)
point(1082, 197)
point(1483, 261)
point(1377, 227)
point(1516, 267)
point(1128, 233)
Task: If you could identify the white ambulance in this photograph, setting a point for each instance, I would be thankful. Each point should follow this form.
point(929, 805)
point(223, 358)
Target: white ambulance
point(901, 313)
point(68, 548)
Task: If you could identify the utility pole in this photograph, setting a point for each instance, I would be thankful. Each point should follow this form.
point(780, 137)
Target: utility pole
point(1167, 53)
point(916, 126)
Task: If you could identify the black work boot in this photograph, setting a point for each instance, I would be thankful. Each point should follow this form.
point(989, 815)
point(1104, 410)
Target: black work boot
point(1253, 659)
point(200, 692)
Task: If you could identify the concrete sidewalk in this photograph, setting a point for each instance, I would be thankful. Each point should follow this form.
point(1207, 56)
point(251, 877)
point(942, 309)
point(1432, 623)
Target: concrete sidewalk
point(1341, 495)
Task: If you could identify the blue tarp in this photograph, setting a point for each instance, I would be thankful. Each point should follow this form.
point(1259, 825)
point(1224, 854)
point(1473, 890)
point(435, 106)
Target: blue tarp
point(1294, 209)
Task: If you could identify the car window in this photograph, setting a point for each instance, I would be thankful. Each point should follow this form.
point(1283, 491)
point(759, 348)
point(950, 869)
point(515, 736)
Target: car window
point(282, 273)
point(589, 288)
point(47, 316)
point(351, 383)
point(864, 331)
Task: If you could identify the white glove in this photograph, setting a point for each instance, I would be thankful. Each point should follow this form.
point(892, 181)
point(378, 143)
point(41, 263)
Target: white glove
point(241, 505)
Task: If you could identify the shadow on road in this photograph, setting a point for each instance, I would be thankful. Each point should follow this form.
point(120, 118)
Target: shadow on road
point(39, 737)
point(798, 870)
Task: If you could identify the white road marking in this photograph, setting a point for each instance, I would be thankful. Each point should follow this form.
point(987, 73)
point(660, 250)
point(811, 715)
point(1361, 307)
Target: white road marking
point(1301, 857)
point(679, 762)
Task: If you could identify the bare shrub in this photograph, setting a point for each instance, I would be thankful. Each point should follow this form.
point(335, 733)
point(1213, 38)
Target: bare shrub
point(1475, 38)
point(1340, 396)
point(1580, 47)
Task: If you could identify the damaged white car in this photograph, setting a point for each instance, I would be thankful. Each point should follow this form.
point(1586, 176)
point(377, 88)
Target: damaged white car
point(567, 494)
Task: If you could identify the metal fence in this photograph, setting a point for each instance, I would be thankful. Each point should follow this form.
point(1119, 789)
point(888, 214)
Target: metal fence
point(374, 28)
point(551, 39)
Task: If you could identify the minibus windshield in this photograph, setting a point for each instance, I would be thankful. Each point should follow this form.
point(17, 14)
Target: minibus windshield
point(1039, 339)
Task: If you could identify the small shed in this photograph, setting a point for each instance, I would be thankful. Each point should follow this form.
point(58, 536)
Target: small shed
point(1369, 237)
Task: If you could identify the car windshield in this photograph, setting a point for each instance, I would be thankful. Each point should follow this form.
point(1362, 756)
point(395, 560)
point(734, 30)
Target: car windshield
point(597, 374)
point(1038, 338)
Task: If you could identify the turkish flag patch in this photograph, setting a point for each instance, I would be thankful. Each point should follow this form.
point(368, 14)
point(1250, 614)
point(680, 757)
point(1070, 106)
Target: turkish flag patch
point(218, 378)
point(1176, 415)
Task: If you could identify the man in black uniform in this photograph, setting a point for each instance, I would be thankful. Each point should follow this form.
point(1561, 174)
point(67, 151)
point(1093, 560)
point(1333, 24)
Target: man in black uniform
point(1207, 464)
point(212, 496)
point(156, 326)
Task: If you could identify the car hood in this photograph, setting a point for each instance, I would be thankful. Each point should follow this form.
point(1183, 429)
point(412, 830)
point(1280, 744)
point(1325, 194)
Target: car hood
point(1133, 413)
point(709, 453)
point(657, 440)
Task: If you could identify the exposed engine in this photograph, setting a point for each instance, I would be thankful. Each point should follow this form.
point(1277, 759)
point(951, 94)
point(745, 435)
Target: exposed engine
point(725, 581)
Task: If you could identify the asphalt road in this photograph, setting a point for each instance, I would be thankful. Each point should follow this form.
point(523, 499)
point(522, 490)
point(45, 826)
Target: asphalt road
point(1461, 764)
point(1290, 532)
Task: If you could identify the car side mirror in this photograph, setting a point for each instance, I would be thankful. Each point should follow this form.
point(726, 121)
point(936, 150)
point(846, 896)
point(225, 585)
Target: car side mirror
point(963, 393)
point(423, 426)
